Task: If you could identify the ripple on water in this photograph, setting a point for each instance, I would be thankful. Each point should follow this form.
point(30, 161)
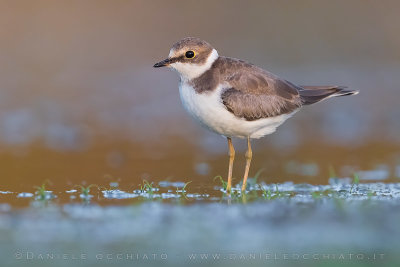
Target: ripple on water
point(118, 194)
point(24, 194)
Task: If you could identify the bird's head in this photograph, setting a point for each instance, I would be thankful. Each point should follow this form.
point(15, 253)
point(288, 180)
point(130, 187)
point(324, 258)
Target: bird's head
point(190, 57)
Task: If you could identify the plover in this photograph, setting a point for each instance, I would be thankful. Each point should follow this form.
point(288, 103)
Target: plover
point(235, 98)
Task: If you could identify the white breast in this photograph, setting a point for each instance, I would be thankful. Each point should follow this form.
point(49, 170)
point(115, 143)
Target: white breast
point(208, 109)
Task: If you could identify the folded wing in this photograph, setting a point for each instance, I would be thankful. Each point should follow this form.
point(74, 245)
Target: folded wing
point(275, 99)
point(253, 93)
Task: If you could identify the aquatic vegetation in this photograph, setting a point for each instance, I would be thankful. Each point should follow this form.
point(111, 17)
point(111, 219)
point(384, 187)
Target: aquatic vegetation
point(316, 195)
point(324, 217)
point(325, 193)
point(147, 190)
point(85, 190)
point(186, 184)
point(42, 194)
point(182, 190)
point(236, 189)
point(267, 194)
point(224, 183)
point(147, 187)
point(270, 194)
point(182, 193)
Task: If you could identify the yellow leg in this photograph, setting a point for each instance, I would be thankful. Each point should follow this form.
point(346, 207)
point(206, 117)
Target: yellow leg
point(231, 158)
point(249, 155)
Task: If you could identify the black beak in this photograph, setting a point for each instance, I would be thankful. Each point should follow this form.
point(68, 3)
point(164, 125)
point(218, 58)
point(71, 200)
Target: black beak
point(163, 63)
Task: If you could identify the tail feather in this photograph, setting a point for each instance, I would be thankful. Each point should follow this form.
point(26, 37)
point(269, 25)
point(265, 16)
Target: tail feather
point(313, 94)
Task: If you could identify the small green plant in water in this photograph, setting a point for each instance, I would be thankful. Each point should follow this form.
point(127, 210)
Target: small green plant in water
point(223, 183)
point(183, 189)
point(279, 193)
point(316, 195)
point(325, 193)
point(147, 189)
point(85, 190)
point(42, 193)
point(147, 186)
point(267, 194)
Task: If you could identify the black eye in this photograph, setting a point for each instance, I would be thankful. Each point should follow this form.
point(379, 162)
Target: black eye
point(189, 54)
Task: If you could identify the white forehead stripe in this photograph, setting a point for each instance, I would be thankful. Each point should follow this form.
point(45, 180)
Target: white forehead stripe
point(171, 53)
point(190, 71)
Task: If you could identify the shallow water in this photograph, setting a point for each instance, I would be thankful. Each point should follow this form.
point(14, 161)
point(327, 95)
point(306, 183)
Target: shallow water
point(80, 103)
point(272, 224)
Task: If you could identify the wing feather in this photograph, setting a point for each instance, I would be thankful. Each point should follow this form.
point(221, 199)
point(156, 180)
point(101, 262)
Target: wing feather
point(254, 93)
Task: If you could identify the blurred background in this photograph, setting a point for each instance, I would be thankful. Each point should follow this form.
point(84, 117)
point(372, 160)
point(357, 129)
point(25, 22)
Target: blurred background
point(80, 101)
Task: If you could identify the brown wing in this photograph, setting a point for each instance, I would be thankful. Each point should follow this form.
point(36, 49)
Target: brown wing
point(254, 93)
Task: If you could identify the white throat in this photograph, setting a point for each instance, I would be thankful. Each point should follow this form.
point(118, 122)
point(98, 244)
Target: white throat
point(189, 71)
